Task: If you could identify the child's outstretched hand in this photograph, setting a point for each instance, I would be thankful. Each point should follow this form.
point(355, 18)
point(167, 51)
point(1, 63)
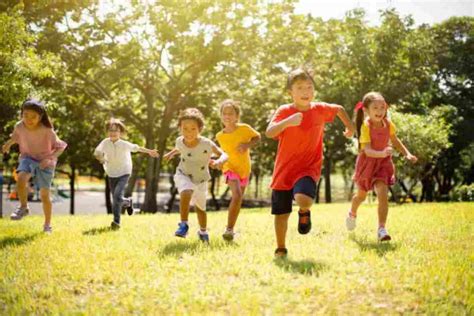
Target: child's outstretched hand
point(169, 155)
point(411, 158)
point(387, 151)
point(348, 133)
point(295, 119)
point(45, 163)
point(154, 153)
point(214, 164)
point(6, 148)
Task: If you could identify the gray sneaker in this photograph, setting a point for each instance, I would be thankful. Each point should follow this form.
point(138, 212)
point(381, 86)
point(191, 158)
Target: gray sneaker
point(19, 213)
point(228, 235)
point(47, 229)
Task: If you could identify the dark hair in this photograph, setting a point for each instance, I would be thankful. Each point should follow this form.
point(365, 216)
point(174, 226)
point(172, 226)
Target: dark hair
point(38, 107)
point(299, 74)
point(191, 114)
point(116, 122)
point(359, 113)
point(229, 102)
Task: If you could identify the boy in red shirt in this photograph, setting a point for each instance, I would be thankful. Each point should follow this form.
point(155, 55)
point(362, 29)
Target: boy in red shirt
point(299, 129)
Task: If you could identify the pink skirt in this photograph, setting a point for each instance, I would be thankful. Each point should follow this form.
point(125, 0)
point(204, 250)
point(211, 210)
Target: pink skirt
point(369, 170)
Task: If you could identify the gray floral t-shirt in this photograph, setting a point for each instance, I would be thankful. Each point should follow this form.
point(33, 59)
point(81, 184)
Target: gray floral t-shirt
point(194, 162)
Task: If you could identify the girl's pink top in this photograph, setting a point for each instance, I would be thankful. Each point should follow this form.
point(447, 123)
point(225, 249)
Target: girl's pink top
point(369, 169)
point(38, 144)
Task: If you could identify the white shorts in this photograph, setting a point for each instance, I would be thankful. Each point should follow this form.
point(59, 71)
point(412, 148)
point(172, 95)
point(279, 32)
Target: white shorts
point(199, 196)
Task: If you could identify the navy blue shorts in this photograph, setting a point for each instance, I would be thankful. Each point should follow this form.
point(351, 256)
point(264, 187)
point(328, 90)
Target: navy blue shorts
point(282, 200)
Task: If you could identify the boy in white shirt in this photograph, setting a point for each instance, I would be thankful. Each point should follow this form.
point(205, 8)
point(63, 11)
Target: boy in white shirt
point(114, 153)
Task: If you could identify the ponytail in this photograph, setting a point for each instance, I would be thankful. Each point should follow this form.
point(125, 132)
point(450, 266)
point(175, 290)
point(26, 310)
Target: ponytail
point(38, 107)
point(358, 117)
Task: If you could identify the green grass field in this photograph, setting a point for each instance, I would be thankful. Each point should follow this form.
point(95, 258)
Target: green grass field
point(84, 268)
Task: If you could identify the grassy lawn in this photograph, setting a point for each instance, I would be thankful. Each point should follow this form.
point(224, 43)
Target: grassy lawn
point(84, 268)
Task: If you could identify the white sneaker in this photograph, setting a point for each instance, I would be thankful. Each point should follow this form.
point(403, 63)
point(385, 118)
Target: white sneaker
point(383, 235)
point(47, 229)
point(19, 213)
point(350, 222)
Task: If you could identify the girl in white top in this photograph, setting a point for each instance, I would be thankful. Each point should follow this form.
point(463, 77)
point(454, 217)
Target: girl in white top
point(192, 174)
point(114, 153)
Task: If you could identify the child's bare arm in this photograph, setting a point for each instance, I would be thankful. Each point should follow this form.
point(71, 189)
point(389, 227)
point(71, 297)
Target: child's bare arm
point(217, 164)
point(244, 146)
point(6, 147)
point(171, 154)
point(152, 152)
point(370, 152)
point(397, 143)
point(275, 128)
point(344, 117)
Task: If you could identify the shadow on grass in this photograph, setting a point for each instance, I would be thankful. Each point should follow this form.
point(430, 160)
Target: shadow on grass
point(97, 231)
point(17, 241)
point(178, 247)
point(306, 267)
point(381, 248)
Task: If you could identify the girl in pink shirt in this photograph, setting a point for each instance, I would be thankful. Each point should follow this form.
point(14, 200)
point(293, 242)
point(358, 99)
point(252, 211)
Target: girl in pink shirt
point(40, 148)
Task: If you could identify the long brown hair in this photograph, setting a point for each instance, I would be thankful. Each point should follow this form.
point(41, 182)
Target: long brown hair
point(358, 111)
point(38, 107)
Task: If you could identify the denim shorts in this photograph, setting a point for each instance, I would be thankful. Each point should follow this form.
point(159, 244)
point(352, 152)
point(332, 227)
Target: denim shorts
point(282, 200)
point(42, 178)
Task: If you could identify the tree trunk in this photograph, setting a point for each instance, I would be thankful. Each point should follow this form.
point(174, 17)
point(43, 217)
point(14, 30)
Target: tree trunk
point(257, 176)
point(351, 191)
point(318, 187)
point(72, 180)
point(427, 184)
point(215, 202)
point(149, 203)
point(173, 192)
point(407, 192)
point(327, 180)
point(108, 201)
point(133, 178)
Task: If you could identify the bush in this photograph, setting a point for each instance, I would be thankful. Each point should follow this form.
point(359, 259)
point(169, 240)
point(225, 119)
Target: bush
point(464, 193)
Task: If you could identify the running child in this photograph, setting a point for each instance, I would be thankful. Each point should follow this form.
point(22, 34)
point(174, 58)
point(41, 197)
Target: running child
point(192, 174)
point(40, 148)
point(299, 129)
point(374, 167)
point(235, 139)
point(115, 154)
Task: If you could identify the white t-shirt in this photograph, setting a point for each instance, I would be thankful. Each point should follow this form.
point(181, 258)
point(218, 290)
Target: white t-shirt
point(118, 160)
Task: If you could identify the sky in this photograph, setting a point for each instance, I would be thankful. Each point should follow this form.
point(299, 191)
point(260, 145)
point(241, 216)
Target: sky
point(423, 11)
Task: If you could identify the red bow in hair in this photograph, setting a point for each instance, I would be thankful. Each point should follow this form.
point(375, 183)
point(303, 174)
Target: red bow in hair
point(359, 106)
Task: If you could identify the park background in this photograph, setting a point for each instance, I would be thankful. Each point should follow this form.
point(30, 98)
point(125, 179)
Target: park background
point(144, 61)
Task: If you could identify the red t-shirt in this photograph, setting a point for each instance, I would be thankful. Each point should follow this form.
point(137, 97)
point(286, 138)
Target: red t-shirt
point(300, 148)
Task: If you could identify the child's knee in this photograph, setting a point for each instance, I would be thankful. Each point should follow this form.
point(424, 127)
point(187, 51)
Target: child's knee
point(186, 193)
point(303, 200)
point(200, 211)
point(23, 178)
point(44, 194)
point(380, 187)
point(361, 195)
point(237, 195)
